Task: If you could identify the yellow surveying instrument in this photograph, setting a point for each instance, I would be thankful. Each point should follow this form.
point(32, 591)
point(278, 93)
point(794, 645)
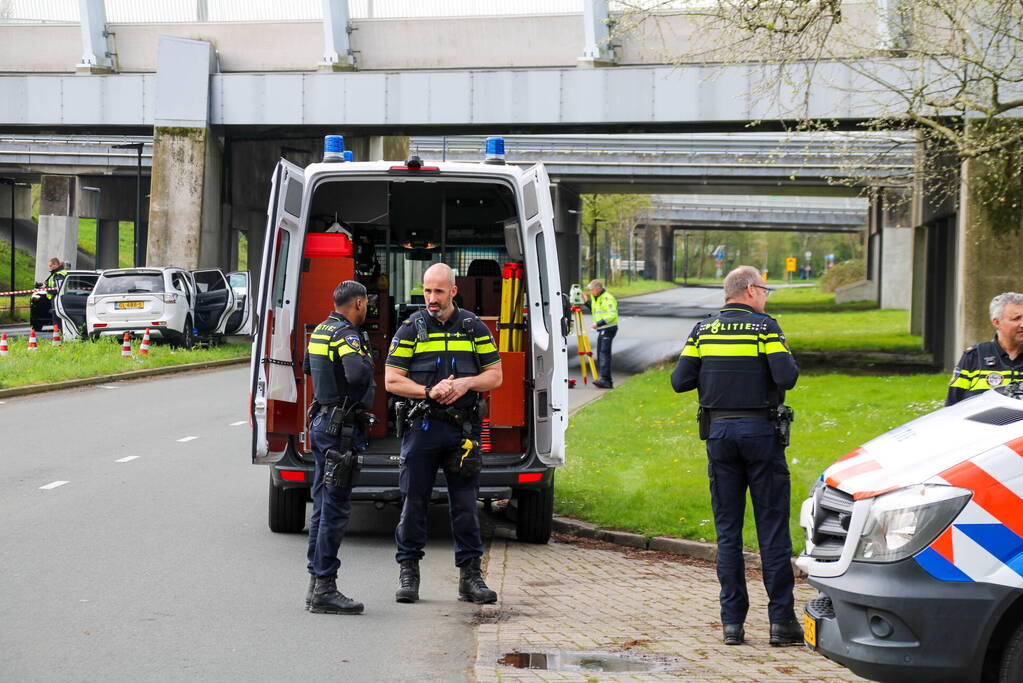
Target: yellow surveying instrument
point(511, 323)
point(585, 350)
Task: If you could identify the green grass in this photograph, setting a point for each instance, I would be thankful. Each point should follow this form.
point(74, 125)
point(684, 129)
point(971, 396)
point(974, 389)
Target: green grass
point(718, 280)
point(125, 240)
point(875, 330)
point(811, 299)
point(24, 278)
point(635, 461)
point(79, 359)
point(637, 287)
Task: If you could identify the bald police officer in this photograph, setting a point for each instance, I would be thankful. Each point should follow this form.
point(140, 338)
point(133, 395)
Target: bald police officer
point(440, 360)
point(740, 365)
point(342, 372)
point(993, 363)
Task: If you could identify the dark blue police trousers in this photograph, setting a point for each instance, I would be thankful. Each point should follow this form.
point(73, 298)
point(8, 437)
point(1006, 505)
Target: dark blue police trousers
point(422, 452)
point(331, 507)
point(745, 452)
point(604, 339)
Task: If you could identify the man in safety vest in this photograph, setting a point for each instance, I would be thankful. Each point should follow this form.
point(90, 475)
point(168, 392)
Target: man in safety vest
point(53, 280)
point(993, 363)
point(604, 309)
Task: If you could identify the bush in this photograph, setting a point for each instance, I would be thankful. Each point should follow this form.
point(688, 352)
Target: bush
point(844, 273)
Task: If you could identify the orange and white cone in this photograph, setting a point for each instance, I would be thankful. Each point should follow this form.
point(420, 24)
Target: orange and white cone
point(3, 344)
point(56, 336)
point(126, 347)
point(144, 349)
point(33, 345)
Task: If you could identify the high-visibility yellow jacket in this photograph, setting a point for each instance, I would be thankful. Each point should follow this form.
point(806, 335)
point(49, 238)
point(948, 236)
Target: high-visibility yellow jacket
point(605, 310)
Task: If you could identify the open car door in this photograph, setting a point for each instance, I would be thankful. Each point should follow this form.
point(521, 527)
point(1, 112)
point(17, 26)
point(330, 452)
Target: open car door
point(543, 290)
point(214, 301)
point(70, 300)
point(240, 322)
point(272, 371)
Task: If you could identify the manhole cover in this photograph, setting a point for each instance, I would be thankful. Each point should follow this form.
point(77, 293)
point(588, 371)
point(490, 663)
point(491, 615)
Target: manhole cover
point(576, 661)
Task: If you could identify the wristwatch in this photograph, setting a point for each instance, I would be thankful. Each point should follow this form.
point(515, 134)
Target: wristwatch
point(429, 388)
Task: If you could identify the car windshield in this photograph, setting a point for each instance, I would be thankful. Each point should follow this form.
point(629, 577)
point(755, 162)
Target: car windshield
point(129, 283)
point(79, 284)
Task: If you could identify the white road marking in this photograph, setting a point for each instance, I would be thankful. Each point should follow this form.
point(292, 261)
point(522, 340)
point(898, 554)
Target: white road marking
point(187, 438)
point(52, 485)
point(127, 459)
point(233, 424)
point(104, 386)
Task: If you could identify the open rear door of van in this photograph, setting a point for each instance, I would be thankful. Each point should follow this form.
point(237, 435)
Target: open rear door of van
point(271, 367)
point(543, 289)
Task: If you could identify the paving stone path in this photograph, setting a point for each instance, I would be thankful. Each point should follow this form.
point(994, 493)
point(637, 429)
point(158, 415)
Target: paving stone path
point(580, 595)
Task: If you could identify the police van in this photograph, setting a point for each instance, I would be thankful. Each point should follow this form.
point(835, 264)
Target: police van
point(915, 544)
point(383, 223)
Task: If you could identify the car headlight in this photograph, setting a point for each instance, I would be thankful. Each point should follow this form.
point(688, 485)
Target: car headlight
point(901, 523)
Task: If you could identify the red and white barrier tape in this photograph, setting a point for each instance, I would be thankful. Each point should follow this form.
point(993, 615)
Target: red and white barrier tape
point(29, 291)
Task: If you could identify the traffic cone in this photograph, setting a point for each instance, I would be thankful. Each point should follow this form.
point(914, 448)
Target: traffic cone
point(126, 347)
point(144, 349)
point(56, 336)
point(3, 344)
point(32, 344)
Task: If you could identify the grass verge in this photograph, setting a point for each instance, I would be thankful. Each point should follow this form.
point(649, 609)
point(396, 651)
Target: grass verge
point(637, 287)
point(810, 300)
point(125, 239)
point(635, 461)
point(876, 330)
point(80, 359)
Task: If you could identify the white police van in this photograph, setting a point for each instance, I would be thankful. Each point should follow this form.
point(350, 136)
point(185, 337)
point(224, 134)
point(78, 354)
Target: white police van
point(383, 223)
point(915, 542)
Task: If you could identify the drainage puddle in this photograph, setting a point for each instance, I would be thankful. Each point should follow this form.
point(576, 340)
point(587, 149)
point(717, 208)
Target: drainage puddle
point(575, 661)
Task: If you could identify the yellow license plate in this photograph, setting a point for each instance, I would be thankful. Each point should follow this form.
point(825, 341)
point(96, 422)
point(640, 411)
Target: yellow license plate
point(810, 630)
point(120, 305)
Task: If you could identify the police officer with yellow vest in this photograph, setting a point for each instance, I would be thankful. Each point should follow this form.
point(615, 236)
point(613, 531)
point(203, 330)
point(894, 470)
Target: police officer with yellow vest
point(53, 281)
point(604, 309)
point(740, 365)
point(440, 360)
point(342, 372)
point(994, 363)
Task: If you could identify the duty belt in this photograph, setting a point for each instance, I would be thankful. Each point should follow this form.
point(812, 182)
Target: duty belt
point(350, 418)
point(725, 413)
point(453, 415)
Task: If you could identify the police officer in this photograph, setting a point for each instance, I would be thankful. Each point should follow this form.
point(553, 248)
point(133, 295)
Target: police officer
point(604, 308)
point(740, 365)
point(342, 372)
point(440, 359)
point(992, 363)
point(53, 280)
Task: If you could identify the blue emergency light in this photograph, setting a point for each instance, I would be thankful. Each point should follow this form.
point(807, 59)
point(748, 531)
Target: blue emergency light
point(334, 148)
point(349, 156)
point(494, 150)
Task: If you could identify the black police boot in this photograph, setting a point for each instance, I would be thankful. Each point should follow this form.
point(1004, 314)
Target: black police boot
point(309, 593)
point(471, 587)
point(409, 580)
point(786, 633)
point(328, 600)
point(735, 634)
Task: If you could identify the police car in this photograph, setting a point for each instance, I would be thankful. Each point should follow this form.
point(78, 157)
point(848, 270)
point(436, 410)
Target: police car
point(383, 223)
point(915, 542)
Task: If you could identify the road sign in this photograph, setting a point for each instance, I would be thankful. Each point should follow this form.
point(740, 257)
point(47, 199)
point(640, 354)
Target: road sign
point(790, 264)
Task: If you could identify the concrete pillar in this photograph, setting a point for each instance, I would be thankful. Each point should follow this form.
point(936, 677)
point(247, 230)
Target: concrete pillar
point(184, 202)
point(658, 252)
point(897, 249)
point(337, 49)
point(58, 223)
point(107, 243)
point(566, 233)
point(386, 147)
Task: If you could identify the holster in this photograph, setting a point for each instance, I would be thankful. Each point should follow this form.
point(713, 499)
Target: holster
point(342, 465)
point(703, 421)
point(401, 409)
point(466, 460)
point(783, 416)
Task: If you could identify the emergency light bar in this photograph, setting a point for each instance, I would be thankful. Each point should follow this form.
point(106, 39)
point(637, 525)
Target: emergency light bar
point(494, 150)
point(334, 148)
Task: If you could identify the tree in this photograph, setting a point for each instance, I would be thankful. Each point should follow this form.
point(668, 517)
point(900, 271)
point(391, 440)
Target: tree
point(614, 216)
point(951, 70)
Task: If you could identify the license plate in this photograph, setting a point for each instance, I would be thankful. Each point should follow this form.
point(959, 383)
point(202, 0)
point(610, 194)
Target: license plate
point(121, 305)
point(810, 630)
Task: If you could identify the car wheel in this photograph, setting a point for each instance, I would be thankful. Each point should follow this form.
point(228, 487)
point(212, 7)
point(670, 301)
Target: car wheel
point(287, 509)
point(534, 514)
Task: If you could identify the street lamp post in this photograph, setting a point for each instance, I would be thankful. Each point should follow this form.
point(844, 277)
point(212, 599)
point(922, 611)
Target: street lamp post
point(137, 146)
